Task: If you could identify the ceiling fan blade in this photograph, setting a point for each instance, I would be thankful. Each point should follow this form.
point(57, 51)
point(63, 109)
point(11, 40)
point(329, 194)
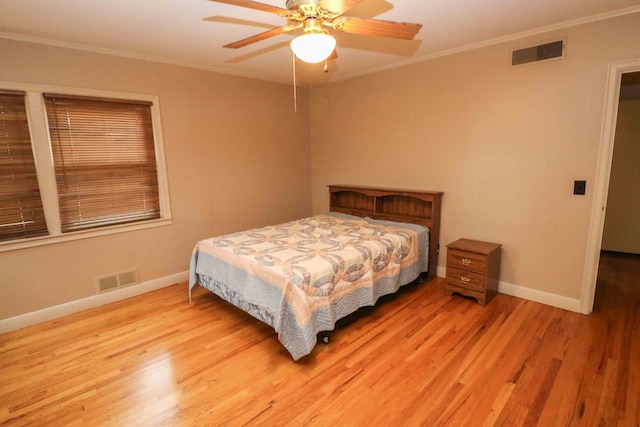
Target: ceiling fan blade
point(376, 27)
point(258, 37)
point(255, 5)
point(339, 6)
point(236, 21)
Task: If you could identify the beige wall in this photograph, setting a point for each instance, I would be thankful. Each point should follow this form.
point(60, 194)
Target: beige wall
point(222, 136)
point(504, 144)
point(622, 221)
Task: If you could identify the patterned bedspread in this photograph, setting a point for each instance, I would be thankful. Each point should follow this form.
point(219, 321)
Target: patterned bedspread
point(302, 276)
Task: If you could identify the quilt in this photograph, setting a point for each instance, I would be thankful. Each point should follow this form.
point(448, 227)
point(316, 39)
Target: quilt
point(302, 276)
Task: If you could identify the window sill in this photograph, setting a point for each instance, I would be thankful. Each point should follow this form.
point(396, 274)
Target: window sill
point(77, 235)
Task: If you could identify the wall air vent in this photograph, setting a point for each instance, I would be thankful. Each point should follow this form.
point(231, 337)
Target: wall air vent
point(538, 53)
point(116, 280)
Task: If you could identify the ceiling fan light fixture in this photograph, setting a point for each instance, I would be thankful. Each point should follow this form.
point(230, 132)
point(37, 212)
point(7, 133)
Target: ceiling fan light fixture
point(313, 47)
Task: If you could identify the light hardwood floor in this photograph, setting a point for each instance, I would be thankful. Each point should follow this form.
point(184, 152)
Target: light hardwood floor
point(419, 358)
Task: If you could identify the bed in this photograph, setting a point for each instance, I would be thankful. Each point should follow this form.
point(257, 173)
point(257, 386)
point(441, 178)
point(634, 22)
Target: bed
point(302, 276)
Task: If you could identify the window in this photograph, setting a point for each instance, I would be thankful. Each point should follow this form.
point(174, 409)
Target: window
point(21, 211)
point(104, 160)
point(78, 163)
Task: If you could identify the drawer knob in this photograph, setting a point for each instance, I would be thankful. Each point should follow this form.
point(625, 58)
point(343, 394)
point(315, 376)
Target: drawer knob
point(464, 280)
point(466, 261)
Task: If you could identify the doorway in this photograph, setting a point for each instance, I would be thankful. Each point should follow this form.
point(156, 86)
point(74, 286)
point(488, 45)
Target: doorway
point(620, 72)
point(622, 222)
point(619, 264)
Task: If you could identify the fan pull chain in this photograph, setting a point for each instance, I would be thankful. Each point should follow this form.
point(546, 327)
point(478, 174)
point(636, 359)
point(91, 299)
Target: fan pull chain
point(295, 90)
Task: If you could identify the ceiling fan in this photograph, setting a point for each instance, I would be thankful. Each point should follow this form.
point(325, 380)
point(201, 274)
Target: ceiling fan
point(312, 16)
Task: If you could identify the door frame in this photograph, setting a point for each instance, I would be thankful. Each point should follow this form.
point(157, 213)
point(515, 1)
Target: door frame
point(603, 173)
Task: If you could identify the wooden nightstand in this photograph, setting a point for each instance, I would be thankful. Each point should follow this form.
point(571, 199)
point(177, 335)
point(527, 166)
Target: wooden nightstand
point(473, 268)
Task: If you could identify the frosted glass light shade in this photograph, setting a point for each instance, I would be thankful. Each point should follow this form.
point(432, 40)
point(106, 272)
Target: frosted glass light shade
point(313, 47)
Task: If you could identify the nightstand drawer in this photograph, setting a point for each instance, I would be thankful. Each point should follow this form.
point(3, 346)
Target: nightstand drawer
point(466, 279)
point(467, 261)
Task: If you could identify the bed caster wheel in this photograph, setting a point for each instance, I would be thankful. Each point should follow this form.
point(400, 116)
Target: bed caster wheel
point(325, 339)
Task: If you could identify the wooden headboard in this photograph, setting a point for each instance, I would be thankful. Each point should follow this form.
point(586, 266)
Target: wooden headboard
point(412, 206)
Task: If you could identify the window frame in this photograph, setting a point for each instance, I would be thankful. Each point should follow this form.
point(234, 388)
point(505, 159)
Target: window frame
point(43, 156)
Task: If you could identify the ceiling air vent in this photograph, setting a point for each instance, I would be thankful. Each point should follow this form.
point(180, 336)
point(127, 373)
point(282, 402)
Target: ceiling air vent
point(538, 53)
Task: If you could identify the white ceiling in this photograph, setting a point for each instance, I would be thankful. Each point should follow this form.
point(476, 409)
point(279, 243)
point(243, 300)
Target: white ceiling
point(191, 32)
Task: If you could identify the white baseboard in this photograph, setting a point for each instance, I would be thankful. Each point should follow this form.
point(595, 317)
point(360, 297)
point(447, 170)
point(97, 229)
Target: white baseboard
point(55, 312)
point(546, 298)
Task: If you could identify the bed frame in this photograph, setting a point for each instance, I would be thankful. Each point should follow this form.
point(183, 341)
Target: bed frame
point(412, 206)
